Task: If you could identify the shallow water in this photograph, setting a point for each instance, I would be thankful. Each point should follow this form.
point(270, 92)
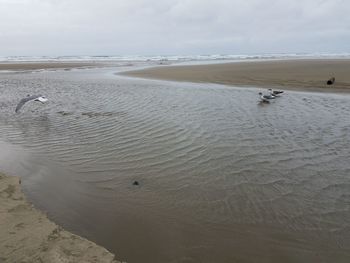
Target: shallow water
point(222, 177)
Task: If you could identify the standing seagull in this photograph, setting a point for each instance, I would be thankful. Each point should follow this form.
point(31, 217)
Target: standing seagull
point(266, 98)
point(23, 101)
point(275, 92)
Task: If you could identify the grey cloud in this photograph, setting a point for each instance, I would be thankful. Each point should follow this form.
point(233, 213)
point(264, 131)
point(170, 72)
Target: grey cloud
point(69, 27)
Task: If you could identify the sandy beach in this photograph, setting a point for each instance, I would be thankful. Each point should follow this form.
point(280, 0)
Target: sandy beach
point(302, 74)
point(19, 66)
point(26, 234)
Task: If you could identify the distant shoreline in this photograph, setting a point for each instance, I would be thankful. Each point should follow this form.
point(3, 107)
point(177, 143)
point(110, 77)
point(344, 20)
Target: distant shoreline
point(291, 74)
point(19, 66)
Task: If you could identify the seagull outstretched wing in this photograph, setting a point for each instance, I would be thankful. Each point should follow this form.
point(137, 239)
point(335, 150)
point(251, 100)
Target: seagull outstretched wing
point(29, 98)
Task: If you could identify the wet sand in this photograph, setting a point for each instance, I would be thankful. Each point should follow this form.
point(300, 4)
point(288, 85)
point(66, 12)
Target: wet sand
point(303, 74)
point(19, 66)
point(26, 235)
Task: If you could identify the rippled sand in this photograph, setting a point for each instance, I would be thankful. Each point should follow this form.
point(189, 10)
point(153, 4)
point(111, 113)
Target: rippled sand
point(221, 177)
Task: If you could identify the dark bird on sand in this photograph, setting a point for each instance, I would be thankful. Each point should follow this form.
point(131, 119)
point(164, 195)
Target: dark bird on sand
point(331, 81)
point(23, 101)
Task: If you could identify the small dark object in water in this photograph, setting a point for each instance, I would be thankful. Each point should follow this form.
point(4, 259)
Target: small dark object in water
point(64, 113)
point(331, 81)
point(135, 183)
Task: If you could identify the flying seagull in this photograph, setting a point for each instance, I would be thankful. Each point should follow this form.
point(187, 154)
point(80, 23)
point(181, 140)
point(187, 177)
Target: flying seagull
point(23, 101)
point(266, 98)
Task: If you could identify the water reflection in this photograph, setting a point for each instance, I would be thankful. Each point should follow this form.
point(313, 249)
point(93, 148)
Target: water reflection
point(221, 179)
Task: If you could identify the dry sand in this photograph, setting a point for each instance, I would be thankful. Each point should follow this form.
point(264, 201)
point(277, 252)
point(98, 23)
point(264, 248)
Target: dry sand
point(26, 235)
point(19, 66)
point(305, 74)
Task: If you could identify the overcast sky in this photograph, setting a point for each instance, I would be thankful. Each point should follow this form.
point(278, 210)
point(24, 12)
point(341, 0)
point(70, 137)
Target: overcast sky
point(151, 27)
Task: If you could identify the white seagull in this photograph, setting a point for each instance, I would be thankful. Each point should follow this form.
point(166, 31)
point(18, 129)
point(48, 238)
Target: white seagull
point(266, 98)
point(23, 101)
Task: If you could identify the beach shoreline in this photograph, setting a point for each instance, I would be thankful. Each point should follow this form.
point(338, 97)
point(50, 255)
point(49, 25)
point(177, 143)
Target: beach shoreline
point(298, 74)
point(27, 235)
point(36, 65)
